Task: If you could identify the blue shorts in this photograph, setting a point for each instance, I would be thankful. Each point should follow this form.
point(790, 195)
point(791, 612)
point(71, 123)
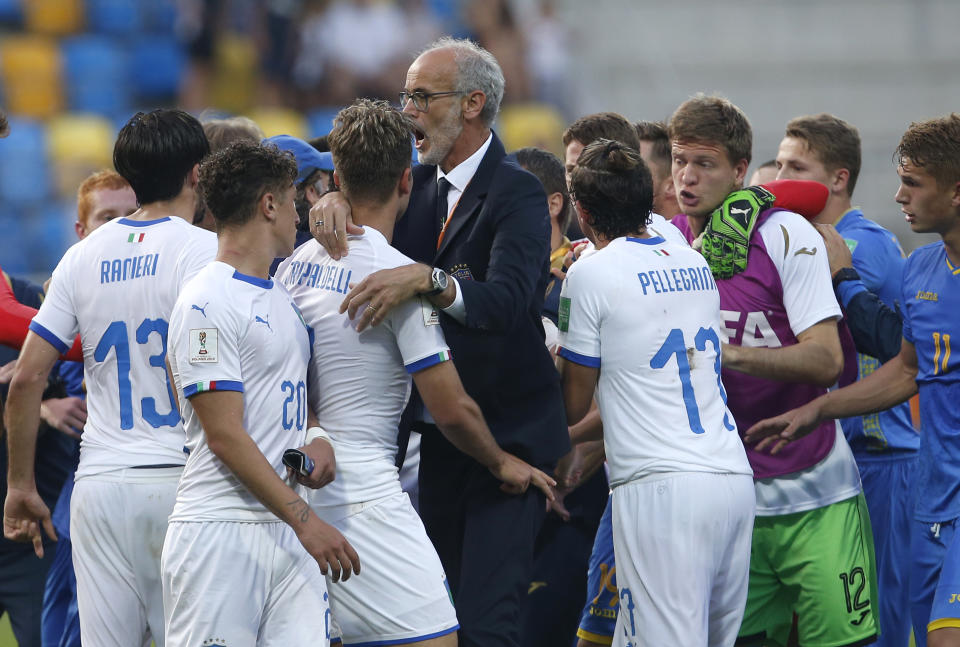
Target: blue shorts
point(60, 619)
point(888, 489)
point(599, 618)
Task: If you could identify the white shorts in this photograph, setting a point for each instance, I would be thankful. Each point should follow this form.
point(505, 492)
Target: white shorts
point(682, 546)
point(242, 585)
point(117, 524)
point(401, 593)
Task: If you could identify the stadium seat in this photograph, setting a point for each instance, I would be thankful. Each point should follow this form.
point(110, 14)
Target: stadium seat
point(15, 257)
point(531, 124)
point(233, 85)
point(114, 17)
point(158, 16)
point(279, 121)
point(320, 120)
point(24, 172)
point(54, 17)
point(156, 66)
point(78, 145)
point(30, 67)
point(96, 74)
point(11, 12)
point(49, 233)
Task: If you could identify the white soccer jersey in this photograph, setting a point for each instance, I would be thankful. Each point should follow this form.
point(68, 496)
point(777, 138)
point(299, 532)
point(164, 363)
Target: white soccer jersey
point(116, 288)
point(660, 226)
point(234, 332)
point(359, 384)
point(644, 312)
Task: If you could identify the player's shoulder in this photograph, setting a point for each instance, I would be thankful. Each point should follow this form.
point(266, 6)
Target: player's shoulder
point(374, 253)
point(667, 230)
point(791, 220)
point(925, 256)
point(861, 229)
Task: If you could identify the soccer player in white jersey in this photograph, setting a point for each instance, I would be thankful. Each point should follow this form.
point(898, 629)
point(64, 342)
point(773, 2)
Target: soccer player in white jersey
point(359, 385)
point(638, 326)
point(117, 288)
point(240, 558)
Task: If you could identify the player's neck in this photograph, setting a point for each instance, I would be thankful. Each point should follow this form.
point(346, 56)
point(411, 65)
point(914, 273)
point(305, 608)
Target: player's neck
point(382, 217)
point(243, 248)
point(951, 242)
point(182, 206)
point(697, 224)
point(603, 241)
point(834, 210)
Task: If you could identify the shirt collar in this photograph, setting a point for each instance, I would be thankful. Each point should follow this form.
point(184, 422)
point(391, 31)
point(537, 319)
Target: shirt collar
point(463, 172)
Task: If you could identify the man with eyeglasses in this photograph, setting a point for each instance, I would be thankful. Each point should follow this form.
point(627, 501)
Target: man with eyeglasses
point(479, 228)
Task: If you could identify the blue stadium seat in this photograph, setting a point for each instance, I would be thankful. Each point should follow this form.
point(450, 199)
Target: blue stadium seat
point(24, 171)
point(14, 255)
point(11, 12)
point(49, 234)
point(157, 65)
point(158, 16)
point(320, 120)
point(114, 17)
point(96, 75)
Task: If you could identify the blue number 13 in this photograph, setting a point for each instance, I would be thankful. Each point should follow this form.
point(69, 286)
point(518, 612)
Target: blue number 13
point(115, 337)
point(675, 346)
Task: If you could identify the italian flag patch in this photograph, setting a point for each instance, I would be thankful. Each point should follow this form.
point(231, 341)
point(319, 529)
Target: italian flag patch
point(660, 252)
point(135, 238)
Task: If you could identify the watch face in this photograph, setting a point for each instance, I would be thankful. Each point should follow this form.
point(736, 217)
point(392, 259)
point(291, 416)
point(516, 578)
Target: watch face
point(439, 279)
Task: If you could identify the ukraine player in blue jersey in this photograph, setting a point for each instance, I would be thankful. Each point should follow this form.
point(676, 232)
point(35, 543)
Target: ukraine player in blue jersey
point(929, 195)
point(826, 149)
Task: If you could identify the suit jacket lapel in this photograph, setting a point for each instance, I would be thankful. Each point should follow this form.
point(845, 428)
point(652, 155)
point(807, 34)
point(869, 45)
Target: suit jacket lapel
point(472, 199)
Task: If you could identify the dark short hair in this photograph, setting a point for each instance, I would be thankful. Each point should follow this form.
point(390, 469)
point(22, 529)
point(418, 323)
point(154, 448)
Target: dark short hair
point(602, 125)
point(233, 180)
point(155, 151)
point(549, 170)
point(713, 120)
point(832, 140)
point(655, 132)
point(612, 182)
point(934, 146)
point(320, 143)
point(370, 143)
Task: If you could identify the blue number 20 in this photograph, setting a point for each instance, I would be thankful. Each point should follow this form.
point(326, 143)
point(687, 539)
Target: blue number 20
point(675, 346)
point(116, 337)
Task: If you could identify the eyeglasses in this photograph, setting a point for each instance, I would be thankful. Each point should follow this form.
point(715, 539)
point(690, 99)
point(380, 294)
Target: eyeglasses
point(421, 99)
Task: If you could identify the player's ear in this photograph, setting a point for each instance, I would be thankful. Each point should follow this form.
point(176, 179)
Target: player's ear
point(336, 179)
point(840, 179)
point(268, 206)
point(740, 168)
point(406, 182)
point(955, 198)
point(193, 177)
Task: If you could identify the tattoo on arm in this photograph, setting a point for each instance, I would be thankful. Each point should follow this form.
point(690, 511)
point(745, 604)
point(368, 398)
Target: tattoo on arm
point(300, 508)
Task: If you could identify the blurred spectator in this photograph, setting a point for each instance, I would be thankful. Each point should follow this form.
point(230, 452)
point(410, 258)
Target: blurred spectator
point(223, 132)
point(548, 58)
point(493, 25)
point(766, 172)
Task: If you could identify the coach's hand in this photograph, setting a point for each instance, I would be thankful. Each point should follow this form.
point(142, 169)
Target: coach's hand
point(321, 453)
point(838, 252)
point(517, 476)
point(24, 513)
point(332, 551)
point(330, 223)
point(65, 414)
point(787, 427)
point(383, 290)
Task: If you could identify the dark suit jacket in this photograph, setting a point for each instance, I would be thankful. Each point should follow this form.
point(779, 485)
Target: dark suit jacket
point(497, 245)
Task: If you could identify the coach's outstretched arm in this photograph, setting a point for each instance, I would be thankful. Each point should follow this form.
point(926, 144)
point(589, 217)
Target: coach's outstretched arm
point(461, 422)
point(221, 415)
point(891, 384)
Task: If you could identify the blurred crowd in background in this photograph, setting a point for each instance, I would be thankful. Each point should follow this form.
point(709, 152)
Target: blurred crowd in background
point(73, 71)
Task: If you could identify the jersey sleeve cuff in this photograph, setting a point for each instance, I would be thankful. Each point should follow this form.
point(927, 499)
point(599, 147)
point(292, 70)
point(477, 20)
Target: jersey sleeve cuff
point(49, 337)
point(214, 385)
point(577, 358)
point(428, 361)
point(849, 289)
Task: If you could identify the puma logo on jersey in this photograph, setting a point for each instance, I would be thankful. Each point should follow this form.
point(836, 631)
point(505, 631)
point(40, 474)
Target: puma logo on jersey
point(259, 319)
point(201, 310)
point(807, 251)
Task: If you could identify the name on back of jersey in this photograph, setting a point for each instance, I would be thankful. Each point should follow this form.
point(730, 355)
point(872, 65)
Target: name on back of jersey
point(681, 279)
point(123, 269)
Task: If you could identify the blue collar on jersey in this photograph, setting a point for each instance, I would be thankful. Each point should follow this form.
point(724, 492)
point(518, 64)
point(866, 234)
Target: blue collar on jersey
point(143, 223)
point(656, 240)
point(253, 280)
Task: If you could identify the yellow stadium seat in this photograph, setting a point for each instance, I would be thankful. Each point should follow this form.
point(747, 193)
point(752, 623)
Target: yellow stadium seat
point(30, 66)
point(531, 124)
point(78, 145)
point(55, 17)
point(233, 84)
point(279, 121)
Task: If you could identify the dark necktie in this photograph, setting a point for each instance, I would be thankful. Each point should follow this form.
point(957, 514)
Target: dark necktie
point(443, 187)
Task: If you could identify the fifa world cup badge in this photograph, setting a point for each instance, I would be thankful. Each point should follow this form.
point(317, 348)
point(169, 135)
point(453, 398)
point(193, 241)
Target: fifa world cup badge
point(203, 345)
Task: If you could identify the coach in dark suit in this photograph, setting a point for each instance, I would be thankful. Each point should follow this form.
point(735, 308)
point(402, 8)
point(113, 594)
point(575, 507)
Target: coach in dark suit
point(478, 227)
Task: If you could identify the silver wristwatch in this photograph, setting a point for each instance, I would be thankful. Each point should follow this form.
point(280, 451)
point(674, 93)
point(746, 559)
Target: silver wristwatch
point(438, 282)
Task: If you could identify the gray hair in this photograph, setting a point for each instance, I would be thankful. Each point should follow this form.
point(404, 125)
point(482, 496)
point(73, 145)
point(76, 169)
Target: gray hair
point(477, 69)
